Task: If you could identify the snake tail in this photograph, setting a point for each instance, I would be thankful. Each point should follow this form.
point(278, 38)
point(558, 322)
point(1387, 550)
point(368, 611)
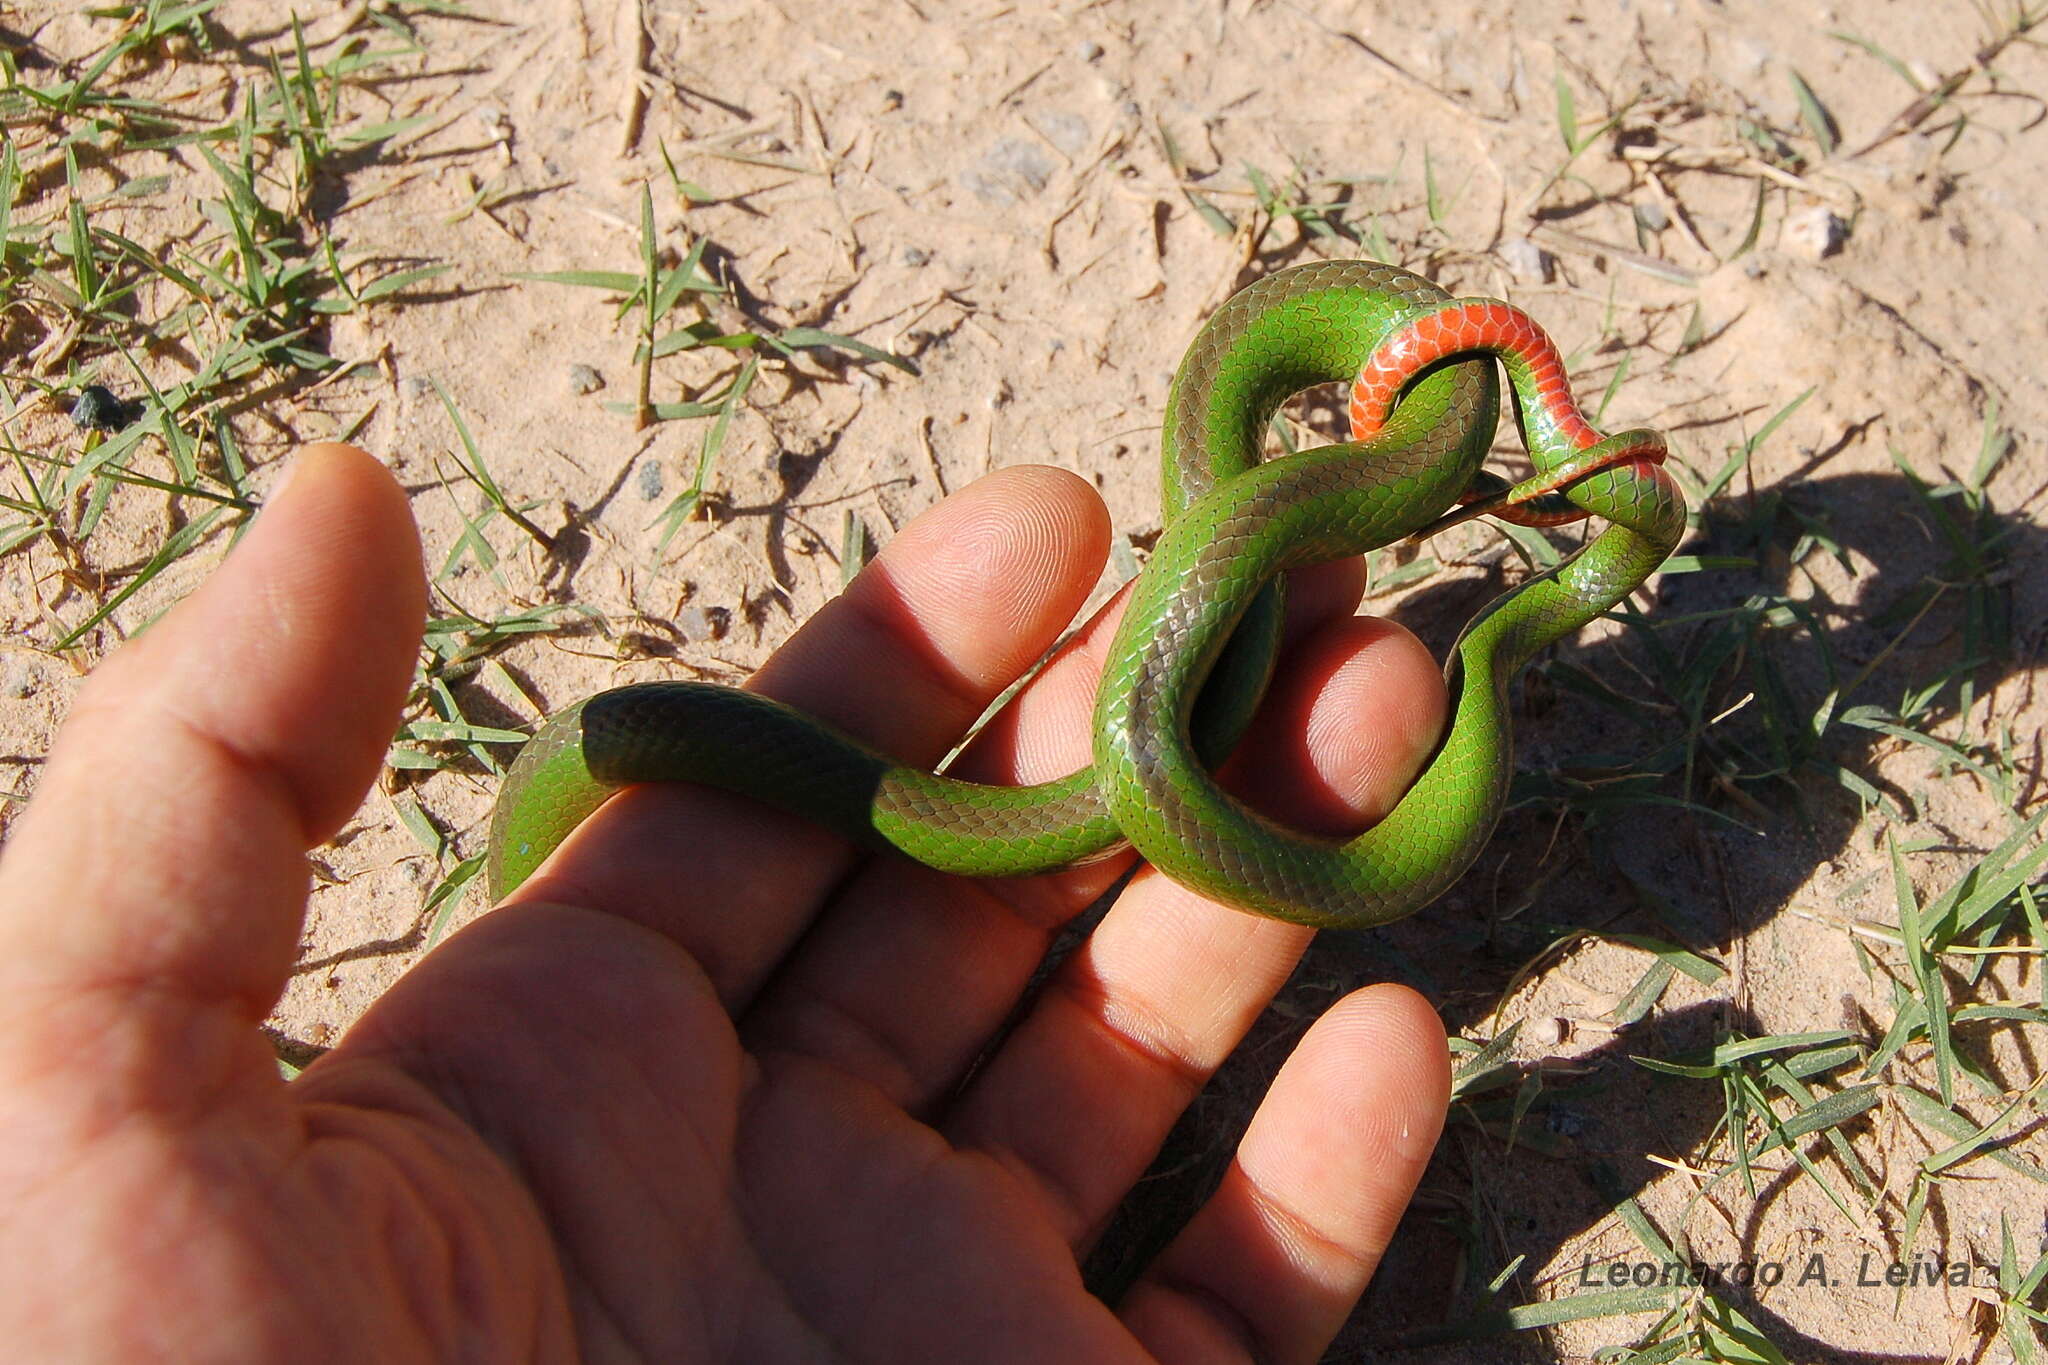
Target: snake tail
point(746, 743)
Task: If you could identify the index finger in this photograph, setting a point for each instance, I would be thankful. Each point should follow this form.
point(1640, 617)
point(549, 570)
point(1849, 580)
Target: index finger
point(961, 603)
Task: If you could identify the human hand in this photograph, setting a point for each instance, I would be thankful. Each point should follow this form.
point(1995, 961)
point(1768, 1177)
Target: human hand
point(699, 1090)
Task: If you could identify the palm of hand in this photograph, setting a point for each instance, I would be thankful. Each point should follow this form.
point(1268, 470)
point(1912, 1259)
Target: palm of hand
point(675, 1101)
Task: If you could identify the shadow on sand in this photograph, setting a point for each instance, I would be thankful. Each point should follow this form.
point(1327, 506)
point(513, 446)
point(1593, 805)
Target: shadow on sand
point(1676, 871)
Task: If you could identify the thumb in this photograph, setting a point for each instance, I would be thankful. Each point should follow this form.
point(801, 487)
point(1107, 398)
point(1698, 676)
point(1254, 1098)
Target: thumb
point(159, 873)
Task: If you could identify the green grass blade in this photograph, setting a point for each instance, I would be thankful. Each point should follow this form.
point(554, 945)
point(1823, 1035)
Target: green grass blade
point(611, 281)
point(687, 503)
point(1820, 124)
point(812, 336)
point(170, 552)
point(1933, 992)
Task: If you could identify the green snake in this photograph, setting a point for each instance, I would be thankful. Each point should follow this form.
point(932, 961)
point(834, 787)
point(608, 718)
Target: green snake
point(1197, 643)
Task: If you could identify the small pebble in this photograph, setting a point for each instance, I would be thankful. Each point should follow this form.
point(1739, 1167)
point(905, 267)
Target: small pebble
point(98, 410)
point(915, 255)
point(1011, 165)
point(1090, 51)
point(1565, 1122)
point(1814, 233)
point(1653, 215)
point(17, 677)
point(1549, 1032)
point(1527, 261)
point(1064, 130)
point(698, 624)
point(414, 386)
point(648, 480)
point(892, 100)
point(585, 379)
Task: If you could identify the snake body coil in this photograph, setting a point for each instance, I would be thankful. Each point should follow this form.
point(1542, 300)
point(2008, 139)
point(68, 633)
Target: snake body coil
point(1204, 621)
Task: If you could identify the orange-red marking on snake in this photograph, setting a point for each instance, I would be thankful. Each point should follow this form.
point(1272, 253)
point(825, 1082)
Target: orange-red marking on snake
point(1485, 325)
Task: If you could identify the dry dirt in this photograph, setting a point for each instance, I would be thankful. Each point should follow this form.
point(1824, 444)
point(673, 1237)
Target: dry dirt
point(985, 188)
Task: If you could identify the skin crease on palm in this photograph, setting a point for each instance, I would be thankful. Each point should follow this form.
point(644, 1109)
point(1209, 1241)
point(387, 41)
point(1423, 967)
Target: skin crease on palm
point(692, 1094)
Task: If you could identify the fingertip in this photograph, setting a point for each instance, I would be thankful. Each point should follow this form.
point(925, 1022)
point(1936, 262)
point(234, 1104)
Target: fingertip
point(969, 595)
point(1064, 498)
point(347, 480)
point(1381, 1053)
point(1356, 710)
point(297, 652)
point(1270, 1266)
point(989, 571)
point(1351, 1121)
point(335, 597)
point(332, 458)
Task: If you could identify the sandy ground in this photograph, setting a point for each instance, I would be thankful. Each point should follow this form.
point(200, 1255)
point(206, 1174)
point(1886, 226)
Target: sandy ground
point(986, 189)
